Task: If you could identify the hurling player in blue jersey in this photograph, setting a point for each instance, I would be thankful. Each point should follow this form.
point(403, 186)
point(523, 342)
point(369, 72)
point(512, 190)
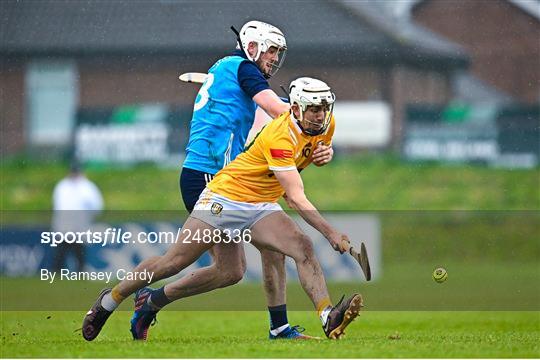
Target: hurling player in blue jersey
point(223, 114)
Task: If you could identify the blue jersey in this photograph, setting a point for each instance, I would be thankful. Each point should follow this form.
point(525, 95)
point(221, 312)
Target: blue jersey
point(223, 113)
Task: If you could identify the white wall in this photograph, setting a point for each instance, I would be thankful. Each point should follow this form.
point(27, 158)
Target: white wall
point(362, 124)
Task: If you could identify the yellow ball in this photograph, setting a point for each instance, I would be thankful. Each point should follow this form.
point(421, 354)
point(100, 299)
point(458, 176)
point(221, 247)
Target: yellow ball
point(440, 275)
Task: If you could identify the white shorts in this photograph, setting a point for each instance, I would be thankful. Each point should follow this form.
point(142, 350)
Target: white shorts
point(224, 213)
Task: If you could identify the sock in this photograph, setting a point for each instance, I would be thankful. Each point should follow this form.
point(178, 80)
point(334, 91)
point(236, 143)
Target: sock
point(158, 299)
point(278, 330)
point(324, 314)
point(323, 309)
point(278, 316)
point(116, 296)
point(111, 300)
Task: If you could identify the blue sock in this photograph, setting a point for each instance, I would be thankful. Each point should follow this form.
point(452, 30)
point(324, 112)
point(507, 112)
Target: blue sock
point(158, 298)
point(278, 316)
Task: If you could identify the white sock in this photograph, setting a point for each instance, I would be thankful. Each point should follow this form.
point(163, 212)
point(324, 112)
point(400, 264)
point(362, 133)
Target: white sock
point(275, 332)
point(324, 314)
point(108, 303)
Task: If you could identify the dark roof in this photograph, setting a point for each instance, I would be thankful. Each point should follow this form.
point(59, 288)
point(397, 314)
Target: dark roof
point(325, 28)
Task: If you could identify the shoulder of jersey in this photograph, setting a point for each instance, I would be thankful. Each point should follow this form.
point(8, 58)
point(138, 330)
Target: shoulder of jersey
point(281, 121)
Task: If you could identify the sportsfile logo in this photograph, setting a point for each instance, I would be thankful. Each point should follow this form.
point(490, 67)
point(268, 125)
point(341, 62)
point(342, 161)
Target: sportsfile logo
point(281, 153)
point(119, 236)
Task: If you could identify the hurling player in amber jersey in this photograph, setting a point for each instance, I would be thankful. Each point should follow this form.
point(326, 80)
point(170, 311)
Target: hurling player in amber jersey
point(281, 146)
point(243, 196)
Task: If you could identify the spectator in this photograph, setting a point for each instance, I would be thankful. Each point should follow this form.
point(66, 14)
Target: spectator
point(76, 202)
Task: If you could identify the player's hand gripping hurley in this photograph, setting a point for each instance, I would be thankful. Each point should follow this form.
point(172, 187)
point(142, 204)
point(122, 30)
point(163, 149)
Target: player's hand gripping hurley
point(361, 258)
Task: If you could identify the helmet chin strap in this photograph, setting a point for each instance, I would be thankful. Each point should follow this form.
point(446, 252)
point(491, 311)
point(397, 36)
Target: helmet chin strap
point(299, 123)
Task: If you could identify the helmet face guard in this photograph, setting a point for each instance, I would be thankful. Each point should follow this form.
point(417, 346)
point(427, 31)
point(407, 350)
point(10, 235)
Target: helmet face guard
point(314, 128)
point(308, 92)
point(276, 65)
point(265, 36)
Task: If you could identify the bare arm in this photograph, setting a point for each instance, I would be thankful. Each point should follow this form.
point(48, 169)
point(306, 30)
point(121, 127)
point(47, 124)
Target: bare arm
point(292, 183)
point(271, 103)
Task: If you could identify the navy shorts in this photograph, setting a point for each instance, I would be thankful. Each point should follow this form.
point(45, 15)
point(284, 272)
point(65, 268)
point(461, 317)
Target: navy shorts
point(192, 184)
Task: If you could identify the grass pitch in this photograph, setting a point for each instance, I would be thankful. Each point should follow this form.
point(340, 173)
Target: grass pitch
point(371, 182)
point(220, 334)
point(434, 332)
point(368, 183)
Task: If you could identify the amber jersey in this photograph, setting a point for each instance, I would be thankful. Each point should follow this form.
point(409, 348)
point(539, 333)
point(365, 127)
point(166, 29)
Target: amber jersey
point(280, 146)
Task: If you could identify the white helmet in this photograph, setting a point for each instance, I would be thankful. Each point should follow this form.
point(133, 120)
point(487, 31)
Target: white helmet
point(266, 36)
point(306, 91)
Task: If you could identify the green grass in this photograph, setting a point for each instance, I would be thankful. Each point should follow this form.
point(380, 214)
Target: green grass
point(492, 286)
point(370, 182)
point(243, 334)
point(491, 257)
point(483, 310)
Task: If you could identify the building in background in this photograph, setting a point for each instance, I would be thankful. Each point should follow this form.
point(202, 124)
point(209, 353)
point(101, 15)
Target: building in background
point(62, 60)
point(501, 37)
point(495, 112)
